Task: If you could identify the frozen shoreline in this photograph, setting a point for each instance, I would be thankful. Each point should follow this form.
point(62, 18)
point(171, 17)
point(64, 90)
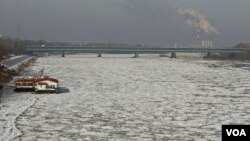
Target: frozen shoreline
point(130, 99)
point(10, 109)
point(12, 105)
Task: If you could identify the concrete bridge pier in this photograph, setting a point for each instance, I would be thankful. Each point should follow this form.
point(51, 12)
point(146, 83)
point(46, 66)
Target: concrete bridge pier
point(232, 55)
point(63, 54)
point(99, 55)
point(136, 55)
point(208, 55)
point(173, 55)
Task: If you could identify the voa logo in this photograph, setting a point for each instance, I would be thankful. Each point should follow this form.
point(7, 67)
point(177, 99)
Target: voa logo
point(236, 132)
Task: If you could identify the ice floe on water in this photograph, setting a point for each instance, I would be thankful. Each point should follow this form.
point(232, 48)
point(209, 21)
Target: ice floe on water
point(10, 109)
point(148, 98)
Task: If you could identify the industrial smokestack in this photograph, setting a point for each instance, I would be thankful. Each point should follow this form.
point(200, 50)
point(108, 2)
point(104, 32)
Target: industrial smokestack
point(197, 20)
point(198, 32)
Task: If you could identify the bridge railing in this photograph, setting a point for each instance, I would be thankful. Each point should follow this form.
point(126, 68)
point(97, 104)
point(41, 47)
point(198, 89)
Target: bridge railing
point(112, 49)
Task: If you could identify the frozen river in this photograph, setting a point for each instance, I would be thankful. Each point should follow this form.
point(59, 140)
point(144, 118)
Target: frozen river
point(148, 98)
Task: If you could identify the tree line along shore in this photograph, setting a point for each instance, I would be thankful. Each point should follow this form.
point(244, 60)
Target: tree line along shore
point(233, 56)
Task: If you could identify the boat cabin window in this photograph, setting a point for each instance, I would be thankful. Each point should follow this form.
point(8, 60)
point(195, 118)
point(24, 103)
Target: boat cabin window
point(30, 84)
point(18, 84)
point(24, 84)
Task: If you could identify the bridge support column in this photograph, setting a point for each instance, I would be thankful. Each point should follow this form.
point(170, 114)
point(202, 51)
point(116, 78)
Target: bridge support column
point(99, 55)
point(136, 55)
point(232, 55)
point(208, 55)
point(173, 55)
point(63, 54)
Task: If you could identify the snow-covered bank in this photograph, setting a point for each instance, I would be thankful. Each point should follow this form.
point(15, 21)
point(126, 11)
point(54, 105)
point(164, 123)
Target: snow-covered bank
point(148, 98)
point(22, 60)
point(14, 62)
point(12, 104)
point(12, 67)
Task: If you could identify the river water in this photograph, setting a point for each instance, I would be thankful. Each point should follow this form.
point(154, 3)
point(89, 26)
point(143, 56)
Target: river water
point(148, 98)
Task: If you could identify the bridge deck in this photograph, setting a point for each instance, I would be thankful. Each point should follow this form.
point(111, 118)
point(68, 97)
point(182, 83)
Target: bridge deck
point(141, 50)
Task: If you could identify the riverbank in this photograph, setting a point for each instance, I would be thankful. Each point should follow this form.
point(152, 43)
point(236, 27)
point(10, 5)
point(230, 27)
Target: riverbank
point(7, 74)
point(230, 56)
point(13, 105)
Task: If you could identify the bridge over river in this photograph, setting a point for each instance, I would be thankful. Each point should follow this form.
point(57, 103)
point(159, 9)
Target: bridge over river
point(129, 50)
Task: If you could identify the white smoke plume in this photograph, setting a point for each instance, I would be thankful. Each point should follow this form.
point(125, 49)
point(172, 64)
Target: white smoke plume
point(197, 20)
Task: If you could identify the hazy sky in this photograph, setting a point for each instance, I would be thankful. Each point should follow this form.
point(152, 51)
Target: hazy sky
point(124, 21)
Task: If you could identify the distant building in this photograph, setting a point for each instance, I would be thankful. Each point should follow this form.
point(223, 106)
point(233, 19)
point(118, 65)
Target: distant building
point(207, 43)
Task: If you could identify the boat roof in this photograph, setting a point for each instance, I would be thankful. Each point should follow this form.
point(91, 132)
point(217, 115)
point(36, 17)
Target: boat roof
point(26, 79)
point(33, 79)
point(46, 78)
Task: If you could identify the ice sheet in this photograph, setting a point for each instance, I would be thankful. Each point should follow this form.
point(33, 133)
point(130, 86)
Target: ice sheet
point(148, 98)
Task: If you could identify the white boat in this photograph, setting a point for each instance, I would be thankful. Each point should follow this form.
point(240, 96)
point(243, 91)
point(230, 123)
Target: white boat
point(46, 84)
